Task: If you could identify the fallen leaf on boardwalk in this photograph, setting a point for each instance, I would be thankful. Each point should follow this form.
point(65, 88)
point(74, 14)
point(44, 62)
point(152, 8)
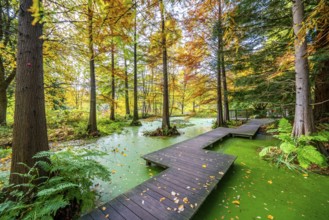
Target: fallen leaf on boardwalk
point(185, 200)
point(212, 177)
point(221, 173)
point(103, 208)
point(176, 200)
point(168, 208)
point(270, 217)
point(173, 193)
point(192, 206)
point(161, 199)
point(236, 202)
point(188, 187)
point(143, 202)
point(181, 208)
point(270, 182)
point(107, 216)
point(204, 166)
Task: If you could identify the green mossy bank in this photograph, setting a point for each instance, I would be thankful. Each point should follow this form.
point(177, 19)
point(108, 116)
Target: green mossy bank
point(262, 190)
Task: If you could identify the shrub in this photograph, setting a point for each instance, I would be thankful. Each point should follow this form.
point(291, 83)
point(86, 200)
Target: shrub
point(65, 191)
point(295, 149)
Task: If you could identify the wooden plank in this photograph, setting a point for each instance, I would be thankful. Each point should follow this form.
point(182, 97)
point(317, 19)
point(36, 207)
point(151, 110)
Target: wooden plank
point(136, 209)
point(97, 214)
point(110, 212)
point(86, 217)
point(123, 210)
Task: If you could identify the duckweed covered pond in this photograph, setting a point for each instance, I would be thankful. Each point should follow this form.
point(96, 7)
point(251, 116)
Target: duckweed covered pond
point(253, 189)
point(262, 190)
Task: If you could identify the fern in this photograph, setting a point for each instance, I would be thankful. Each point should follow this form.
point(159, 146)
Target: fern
point(71, 175)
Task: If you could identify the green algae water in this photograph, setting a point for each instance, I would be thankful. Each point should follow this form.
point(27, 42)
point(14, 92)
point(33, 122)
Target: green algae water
point(262, 190)
point(125, 151)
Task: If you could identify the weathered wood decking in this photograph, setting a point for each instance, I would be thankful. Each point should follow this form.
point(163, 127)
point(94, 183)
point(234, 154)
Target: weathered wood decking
point(176, 193)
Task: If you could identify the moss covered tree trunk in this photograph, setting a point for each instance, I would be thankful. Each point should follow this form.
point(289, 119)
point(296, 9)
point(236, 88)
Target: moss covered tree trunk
point(30, 129)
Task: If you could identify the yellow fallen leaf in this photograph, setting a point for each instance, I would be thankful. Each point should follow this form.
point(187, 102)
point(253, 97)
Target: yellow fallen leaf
point(114, 171)
point(161, 199)
point(305, 175)
point(124, 155)
point(181, 208)
point(107, 216)
point(103, 208)
point(185, 200)
point(270, 182)
point(204, 166)
point(236, 202)
point(270, 217)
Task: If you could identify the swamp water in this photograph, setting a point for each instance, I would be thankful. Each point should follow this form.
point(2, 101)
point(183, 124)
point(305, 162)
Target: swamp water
point(252, 189)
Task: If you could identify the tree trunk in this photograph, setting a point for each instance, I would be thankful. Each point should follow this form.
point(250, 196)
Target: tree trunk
point(165, 107)
point(5, 23)
point(219, 87)
point(30, 129)
point(226, 107)
point(321, 108)
point(126, 89)
point(112, 115)
point(92, 124)
point(135, 113)
point(303, 123)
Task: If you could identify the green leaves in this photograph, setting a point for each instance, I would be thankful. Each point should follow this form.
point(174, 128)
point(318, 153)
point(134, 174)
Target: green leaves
point(70, 178)
point(296, 149)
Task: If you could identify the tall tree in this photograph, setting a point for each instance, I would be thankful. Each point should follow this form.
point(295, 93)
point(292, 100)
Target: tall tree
point(112, 115)
point(321, 93)
point(7, 71)
point(135, 120)
point(92, 124)
point(30, 129)
point(303, 123)
point(126, 89)
point(220, 120)
point(165, 106)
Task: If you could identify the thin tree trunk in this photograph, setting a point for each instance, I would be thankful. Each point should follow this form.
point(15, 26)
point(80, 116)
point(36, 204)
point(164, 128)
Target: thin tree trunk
point(92, 124)
point(135, 113)
point(303, 123)
point(112, 115)
point(226, 106)
point(30, 129)
point(5, 23)
point(165, 107)
point(321, 108)
point(127, 89)
point(219, 88)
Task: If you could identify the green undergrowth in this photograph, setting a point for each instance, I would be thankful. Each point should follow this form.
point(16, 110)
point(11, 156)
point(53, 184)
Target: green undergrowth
point(64, 193)
point(262, 190)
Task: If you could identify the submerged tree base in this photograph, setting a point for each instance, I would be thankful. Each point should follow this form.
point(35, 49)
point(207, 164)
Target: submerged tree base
point(163, 132)
point(136, 123)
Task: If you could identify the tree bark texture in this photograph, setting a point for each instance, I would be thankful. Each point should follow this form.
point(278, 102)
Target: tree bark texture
point(303, 123)
point(112, 115)
point(219, 87)
point(135, 113)
point(126, 89)
point(30, 129)
point(92, 124)
point(226, 116)
point(165, 107)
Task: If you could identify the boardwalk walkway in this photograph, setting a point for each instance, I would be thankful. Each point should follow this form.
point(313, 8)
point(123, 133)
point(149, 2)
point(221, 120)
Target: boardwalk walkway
point(176, 193)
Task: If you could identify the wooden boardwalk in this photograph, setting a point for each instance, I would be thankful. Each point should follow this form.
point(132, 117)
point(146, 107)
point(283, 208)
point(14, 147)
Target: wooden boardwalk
point(178, 192)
